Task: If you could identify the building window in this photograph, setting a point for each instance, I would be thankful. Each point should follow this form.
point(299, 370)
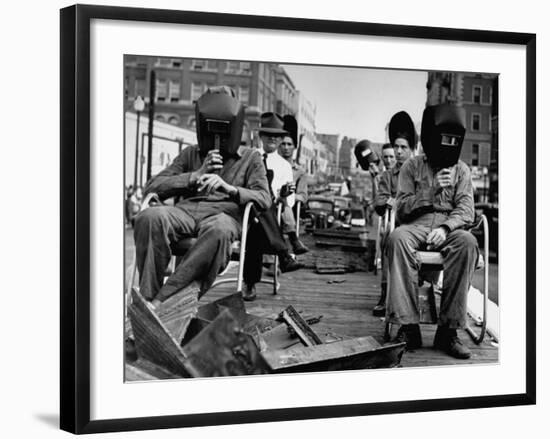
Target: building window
point(244, 94)
point(160, 118)
point(231, 67)
point(162, 90)
point(174, 91)
point(476, 94)
point(488, 95)
point(198, 64)
point(140, 87)
point(126, 86)
point(163, 62)
point(476, 122)
point(196, 90)
point(176, 63)
point(245, 67)
point(173, 120)
point(475, 154)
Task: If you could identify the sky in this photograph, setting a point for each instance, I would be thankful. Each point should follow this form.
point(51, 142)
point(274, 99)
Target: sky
point(359, 102)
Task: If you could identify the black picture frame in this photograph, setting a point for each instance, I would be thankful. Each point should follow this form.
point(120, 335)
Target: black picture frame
point(75, 217)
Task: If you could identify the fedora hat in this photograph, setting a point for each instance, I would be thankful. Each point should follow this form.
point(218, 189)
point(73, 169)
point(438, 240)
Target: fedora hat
point(272, 123)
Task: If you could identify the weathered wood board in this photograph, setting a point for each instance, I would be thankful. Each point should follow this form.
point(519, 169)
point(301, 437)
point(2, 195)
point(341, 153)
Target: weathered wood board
point(351, 354)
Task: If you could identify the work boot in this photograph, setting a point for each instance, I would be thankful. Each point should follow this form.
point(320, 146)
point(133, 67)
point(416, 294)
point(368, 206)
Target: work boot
point(380, 309)
point(287, 263)
point(298, 247)
point(249, 292)
point(409, 334)
point(447, 340)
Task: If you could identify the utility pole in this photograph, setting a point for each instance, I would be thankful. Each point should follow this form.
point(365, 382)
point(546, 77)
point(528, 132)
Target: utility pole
point(152, 93)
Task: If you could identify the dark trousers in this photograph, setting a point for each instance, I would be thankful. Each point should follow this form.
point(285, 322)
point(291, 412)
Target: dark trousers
point(264, 237)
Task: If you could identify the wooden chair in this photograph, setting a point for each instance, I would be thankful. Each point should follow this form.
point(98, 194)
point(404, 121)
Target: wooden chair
point(181, 247)
point(432, 261)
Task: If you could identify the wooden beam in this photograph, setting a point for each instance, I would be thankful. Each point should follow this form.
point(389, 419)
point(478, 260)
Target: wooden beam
point(153, 341)
point(352, 354)
point(299, 325)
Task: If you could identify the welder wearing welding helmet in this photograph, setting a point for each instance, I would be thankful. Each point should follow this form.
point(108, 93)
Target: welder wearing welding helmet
point(442, 135)
point(434, 204)
point(219, 121)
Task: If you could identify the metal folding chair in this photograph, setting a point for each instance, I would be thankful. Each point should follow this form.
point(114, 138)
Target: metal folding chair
point(181, 247)
point(433, 261)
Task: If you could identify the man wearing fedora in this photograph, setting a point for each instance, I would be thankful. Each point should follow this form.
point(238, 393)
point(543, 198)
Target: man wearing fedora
point(265, 236)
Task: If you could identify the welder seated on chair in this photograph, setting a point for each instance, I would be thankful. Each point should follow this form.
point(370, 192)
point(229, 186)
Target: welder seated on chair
point(434, 203)
point(403, 141)
point(214, 181)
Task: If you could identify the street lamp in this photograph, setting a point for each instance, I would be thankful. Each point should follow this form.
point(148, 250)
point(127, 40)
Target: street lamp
point(139, 106)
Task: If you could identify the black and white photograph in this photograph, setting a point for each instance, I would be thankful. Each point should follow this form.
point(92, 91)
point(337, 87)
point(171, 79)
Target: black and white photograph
point(297, 218)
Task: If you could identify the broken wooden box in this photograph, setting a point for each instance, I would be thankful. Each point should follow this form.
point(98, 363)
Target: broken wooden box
point(221, 339)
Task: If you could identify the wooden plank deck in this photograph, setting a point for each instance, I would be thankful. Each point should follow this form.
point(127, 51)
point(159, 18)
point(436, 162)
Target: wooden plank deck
point(345, 302)
point(346, 309)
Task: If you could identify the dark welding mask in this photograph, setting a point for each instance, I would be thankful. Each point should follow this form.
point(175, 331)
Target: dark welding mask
point(365, 154)
point(443, 129)
point(219, 121)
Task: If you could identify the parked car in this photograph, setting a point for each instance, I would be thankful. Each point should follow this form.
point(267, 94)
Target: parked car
point(342, 209)
point(319, 213)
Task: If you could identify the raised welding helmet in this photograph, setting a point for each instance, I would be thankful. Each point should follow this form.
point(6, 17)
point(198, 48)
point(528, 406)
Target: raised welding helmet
point(365, 154)
point(402, 126)
point(290, 125)
point(442, 135)
point(219, 121)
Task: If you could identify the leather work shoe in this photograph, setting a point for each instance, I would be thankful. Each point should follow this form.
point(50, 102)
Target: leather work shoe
point(249, 292)
point(287, 263)
point(298, 247)
point(447, 340)
point(409, 334)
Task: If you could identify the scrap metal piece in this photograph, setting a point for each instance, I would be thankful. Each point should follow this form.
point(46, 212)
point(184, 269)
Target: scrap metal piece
point(224, 349)
point(351, 354)
point(299, 325)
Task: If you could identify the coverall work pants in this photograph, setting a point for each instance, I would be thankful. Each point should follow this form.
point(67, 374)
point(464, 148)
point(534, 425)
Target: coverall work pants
point(159, 227)
point(460, 256)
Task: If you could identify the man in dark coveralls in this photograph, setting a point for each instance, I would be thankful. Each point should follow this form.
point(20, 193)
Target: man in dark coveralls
point(213, 181)
point(434, 204)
